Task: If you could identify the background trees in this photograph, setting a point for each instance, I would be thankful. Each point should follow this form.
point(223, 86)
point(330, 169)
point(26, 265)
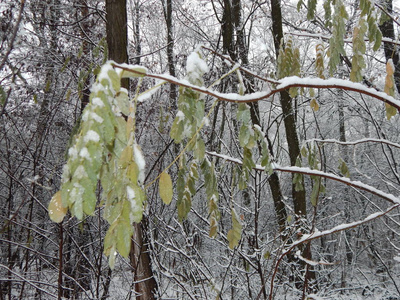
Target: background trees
point(45, 74)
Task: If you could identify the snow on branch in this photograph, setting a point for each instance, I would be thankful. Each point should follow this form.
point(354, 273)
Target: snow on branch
point(327, 38)
point(307, 171)
point(284, 84)
point(353, 143)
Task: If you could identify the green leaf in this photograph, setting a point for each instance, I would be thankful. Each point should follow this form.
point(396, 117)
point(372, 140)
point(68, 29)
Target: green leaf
point(311, 5)
point(89, 201)
point(299, 4)
point(134, 72)
point(165, 188)
point(184, 204)
point(124, 234)
point(315, 191)
point(3, 96)
point(391, 111)
point(122, 102)
point(344, 169)
point(111, 258)
point(115, 80)
point(336, 42)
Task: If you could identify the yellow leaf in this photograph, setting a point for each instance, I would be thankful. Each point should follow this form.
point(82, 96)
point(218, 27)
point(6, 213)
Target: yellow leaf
point(165, 188)
point(213, 228)
point(389, 67)
point(57, 211)
point(314, 104)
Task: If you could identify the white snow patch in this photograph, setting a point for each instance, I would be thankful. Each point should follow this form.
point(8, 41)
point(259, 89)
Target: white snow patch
point(147, 94)
point(85, 115)
point(206, 121)
point(92, 135)
point(72, 153)
point(104, 72)
point(97, 102)
point(80, 172)
point(195, 64)
point(96, 117)
point(180, 115)
point(130, 193)
point(141, 163)
point(84, 153)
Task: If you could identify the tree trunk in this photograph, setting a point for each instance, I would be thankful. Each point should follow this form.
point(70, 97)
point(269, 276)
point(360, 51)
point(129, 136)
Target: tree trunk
point(145, 284)
point(299, 197)
point(391, 50)
point(117, 33)
point(117, 40)
point(167, 5)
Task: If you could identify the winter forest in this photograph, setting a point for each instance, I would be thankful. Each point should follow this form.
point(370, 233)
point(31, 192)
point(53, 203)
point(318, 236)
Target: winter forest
point(204, 149)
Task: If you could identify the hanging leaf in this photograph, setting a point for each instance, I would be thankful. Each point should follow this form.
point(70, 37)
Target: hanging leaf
point(57, 211)
point(115, 80)
point(359, 48)
point(165, 188)
point(336, 42)
point(315, 191)
point(390, 88)
point(319, 61)
point(314, 105)
point(344, 169)
point(184, 204)
point(235, 233)
point(124, 235)
point(311, 5)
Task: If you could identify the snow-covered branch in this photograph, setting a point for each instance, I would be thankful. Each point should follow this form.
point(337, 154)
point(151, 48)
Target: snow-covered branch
point(284, 84)
point(353, 143)
point(307, 171)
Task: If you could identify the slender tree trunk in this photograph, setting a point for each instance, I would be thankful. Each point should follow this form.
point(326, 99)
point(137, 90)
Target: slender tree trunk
point(84, 14)
point(145, 284)
point(117, 40)
point(117, 33)
point(391, 50)
point(299, 197)
point(167, 5)
point(136, 32)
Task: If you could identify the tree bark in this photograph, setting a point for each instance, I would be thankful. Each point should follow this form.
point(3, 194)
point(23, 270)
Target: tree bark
point(167, 5)
point(145, 284)
point(391, 50)
point(117, 40)
point(299, 197)
point(117, 33)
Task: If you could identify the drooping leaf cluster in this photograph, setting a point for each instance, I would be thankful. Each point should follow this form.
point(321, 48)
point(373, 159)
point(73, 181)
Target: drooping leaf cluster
point(289, 62)
point(336, 42)
point(105, 150)
point(186, 128)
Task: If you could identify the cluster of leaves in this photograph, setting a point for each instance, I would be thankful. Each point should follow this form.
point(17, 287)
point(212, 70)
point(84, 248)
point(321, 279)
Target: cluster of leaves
point(359, 48)
point(186, 127)
point(289, 62)
point(247, 140)
point(336, 42)
point(374, 33)
point(105, 149)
